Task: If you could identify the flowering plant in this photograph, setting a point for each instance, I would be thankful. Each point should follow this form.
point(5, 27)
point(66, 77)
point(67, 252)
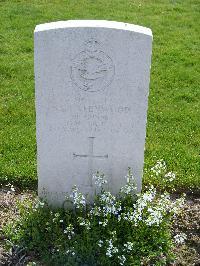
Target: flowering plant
point(123, 229)
point(160, 177)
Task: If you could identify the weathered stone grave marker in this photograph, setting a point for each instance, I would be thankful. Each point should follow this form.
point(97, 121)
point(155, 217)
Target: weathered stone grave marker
point(91, 80)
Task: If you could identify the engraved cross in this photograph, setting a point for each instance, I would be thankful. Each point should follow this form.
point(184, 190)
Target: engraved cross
point(90, 157)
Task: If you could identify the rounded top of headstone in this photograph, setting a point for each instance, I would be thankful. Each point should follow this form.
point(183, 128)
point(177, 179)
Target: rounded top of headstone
point(93, 24)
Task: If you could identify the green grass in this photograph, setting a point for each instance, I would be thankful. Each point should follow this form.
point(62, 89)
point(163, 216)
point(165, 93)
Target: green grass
point(173, 130)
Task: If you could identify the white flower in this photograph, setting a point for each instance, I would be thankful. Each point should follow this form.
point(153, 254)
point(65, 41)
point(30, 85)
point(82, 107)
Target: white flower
point(129, 246)
point(129, 177)
point(180, 238)
point(100, 243)
point(84, 222)
point(12, 188)
point(70, 251)
point(112, 209)
point(107, 198)
point(122, 259)
point(99, 179)
point(111, 249)
point(96, 211)
point(69, 231)
point(141, 204)
point(78, 198)
point(128, 188)
point(104, 223)
point(39, 204)
point(170, 176)
point(113, 233)
point(148, 197)
point(159, 167)
point(109, 204)
point(119, 217)
point(177, 205)
point(154, 217)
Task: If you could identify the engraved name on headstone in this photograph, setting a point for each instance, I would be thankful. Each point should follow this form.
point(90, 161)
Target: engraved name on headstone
point(92, 83)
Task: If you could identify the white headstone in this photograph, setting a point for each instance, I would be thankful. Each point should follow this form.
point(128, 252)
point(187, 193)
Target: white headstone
point(91, 80)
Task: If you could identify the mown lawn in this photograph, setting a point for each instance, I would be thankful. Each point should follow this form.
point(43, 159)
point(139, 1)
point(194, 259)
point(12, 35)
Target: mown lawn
point(173, 130)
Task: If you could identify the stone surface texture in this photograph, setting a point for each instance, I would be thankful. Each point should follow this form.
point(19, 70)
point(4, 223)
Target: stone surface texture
point(91, 86)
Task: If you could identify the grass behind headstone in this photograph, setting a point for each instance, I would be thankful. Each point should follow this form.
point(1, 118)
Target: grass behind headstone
point(173, 117)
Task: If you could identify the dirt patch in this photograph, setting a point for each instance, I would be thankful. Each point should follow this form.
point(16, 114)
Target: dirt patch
point(188, 222)
point(9, 212)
